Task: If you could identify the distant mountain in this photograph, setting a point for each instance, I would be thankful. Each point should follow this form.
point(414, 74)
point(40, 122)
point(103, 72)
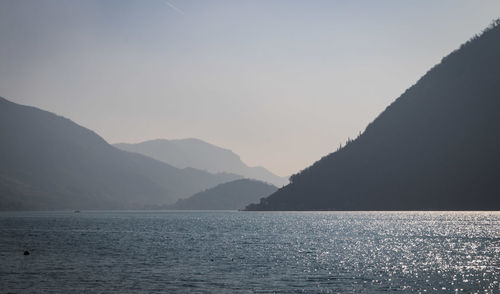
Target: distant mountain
point(437, 147)
point(228, 196)
point(49, 162)
point(198, 154)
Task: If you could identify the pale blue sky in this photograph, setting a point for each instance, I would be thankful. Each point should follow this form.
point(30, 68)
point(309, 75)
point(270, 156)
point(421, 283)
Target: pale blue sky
point(281, 83)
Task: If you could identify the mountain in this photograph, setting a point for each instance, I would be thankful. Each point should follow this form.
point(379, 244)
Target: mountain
point(437, 147)
point(198, 154)
point(228, 196)
point(49, 162)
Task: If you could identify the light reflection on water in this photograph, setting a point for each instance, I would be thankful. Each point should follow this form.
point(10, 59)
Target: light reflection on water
point(322, 252)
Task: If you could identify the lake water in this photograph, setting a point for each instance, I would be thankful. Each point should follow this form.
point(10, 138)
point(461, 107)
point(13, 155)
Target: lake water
point(247, 252)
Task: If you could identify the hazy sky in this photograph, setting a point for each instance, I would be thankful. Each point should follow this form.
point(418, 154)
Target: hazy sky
point(280, 83)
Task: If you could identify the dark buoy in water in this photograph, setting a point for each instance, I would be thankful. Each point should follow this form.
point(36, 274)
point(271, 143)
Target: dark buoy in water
point(26, 252)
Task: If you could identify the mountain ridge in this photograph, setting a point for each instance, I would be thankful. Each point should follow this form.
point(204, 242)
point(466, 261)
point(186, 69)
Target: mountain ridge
point(436, 147)
point(196, 153)
point(227, 196)
point(49, 162)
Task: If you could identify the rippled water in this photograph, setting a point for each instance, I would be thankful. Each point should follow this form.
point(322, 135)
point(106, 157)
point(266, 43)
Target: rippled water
point(227, 252)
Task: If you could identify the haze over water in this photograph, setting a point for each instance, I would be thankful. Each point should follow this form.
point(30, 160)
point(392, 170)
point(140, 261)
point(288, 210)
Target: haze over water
point(240, 252)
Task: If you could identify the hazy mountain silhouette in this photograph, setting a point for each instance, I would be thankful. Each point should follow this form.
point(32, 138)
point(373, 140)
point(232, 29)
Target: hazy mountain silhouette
point(198, 154)
point(437, 147)
point(228, 196)
point(49, 162)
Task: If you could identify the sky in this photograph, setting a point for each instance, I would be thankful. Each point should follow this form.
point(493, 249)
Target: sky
point(280, 83)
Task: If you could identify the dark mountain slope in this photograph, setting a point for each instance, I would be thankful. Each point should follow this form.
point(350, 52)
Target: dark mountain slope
point(49, 162)
point(437, 147)
point(198, 154)
point(228, 196)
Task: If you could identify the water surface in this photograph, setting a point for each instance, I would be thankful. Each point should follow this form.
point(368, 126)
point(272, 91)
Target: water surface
point(247, 252)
